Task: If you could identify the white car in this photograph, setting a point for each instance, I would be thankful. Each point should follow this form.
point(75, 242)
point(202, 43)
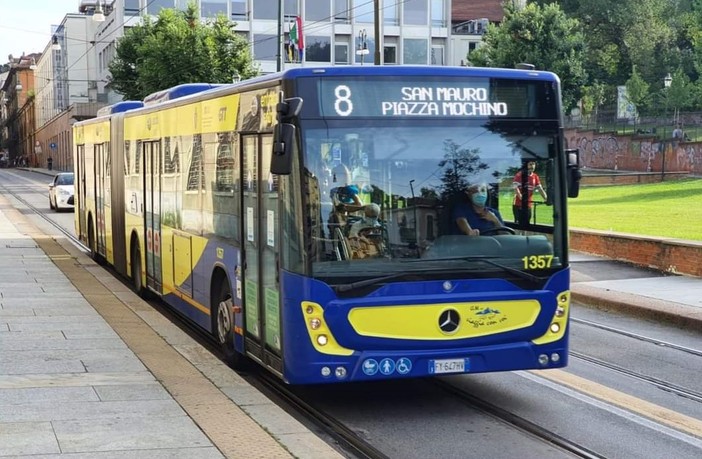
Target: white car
point(61, 191)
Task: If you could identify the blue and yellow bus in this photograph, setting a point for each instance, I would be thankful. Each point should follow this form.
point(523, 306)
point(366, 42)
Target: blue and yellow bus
point(308, 219)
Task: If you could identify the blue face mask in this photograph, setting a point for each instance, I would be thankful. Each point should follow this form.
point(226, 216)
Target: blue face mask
point(479, 199)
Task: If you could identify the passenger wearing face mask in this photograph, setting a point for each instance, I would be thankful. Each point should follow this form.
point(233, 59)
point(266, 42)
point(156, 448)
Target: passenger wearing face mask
point(369, 220)
point(472, 216)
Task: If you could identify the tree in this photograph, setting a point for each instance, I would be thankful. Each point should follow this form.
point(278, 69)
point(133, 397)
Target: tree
point(461, 165)
point(637, 91)
point(178, 48)
point(543, 36)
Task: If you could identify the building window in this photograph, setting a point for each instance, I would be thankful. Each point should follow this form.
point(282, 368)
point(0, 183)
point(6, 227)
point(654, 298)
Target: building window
point(437, 55)
point(341, 53)
point(317, 11)
point(414, 51)
point(265, 9)
point(212, 8)
point(416, 12)
point(131, 7)
point(363, 11)
point(290, 8)
point(265, 47)
point(341, 11)
point(389, 54)
point(437, 13)
point(239, 9)
point(153, 7)
point(391, 13)
point(317, 49)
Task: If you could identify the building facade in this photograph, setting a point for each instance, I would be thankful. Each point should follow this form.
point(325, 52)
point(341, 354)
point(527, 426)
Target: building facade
point(335, 32)
point(73, 79)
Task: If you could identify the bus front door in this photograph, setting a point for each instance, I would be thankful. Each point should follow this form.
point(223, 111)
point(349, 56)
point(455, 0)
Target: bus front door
point(260, 218)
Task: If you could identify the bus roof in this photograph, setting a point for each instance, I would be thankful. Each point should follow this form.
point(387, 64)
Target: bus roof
point(120, 107)
point(417, 70)
point(179, 91)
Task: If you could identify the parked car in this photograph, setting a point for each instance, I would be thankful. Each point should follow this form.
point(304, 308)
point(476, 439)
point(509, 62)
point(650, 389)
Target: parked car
point(61, 191)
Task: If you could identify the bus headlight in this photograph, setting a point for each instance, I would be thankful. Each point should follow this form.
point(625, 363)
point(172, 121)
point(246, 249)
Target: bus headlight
point(555, 327)
point(315, 323)
point(322, 340)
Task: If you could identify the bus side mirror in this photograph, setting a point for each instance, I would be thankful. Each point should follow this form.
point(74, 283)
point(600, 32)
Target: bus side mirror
point(284, 137)
point(283, 141)
point(573, 173)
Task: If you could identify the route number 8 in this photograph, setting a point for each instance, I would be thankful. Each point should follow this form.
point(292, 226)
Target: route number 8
point(343, 104)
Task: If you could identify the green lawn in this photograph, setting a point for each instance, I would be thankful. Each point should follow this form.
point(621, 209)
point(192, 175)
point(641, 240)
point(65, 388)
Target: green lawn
point(669, 209)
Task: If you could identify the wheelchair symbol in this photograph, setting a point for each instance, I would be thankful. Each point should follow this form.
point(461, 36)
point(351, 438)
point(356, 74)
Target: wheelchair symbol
point(404, 366)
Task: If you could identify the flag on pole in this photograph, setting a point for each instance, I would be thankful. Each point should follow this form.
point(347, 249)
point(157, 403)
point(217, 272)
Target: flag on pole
point(296, 40)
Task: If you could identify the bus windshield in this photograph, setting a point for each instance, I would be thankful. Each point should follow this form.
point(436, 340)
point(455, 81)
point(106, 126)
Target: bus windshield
point(385, 194)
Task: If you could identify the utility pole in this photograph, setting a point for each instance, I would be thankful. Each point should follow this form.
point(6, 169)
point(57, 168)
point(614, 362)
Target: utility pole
point(281, 36)
point(378, 38)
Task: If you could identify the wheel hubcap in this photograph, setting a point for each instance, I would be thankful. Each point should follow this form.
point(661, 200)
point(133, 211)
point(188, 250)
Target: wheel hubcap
point(224, 322)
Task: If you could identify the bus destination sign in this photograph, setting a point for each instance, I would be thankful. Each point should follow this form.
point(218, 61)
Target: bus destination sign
point(368, 98)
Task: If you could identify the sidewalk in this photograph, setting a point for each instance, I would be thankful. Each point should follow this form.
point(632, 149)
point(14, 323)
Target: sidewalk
point(613, 285)
point(87, 369)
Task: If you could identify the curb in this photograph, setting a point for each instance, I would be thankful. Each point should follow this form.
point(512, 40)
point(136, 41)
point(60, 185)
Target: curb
point(679, 315)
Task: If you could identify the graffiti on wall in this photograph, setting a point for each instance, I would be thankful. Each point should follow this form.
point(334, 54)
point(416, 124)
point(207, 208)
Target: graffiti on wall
point(634, 153)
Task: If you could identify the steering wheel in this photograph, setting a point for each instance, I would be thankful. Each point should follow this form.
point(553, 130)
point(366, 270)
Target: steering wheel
point(499, 229)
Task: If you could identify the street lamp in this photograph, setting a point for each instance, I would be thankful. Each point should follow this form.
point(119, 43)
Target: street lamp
point(98, 14)
point(362, 44)
point(667, 82)
point(55, 45)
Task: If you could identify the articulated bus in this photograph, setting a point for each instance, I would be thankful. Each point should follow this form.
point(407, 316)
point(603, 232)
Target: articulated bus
point(308, 219)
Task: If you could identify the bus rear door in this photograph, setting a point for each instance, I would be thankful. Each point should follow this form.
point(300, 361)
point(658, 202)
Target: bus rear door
point(152, 210)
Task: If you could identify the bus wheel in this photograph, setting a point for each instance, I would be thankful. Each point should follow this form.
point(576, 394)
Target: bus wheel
point(136, 272)
point(92, 245)
point(223, 325)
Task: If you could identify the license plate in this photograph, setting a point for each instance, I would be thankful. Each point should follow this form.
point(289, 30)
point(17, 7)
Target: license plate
point(449, 366)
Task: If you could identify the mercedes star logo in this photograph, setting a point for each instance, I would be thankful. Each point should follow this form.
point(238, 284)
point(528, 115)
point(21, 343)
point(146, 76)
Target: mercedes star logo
point(449, 321)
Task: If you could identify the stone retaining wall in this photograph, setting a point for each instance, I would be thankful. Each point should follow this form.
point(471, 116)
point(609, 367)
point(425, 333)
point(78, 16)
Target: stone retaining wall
point(664, 254)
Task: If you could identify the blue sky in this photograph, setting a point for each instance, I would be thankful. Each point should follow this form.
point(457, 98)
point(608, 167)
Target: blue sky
point(25, 25)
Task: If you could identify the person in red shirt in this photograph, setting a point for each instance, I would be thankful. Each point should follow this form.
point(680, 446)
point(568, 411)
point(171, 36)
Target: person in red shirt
point(533, 183)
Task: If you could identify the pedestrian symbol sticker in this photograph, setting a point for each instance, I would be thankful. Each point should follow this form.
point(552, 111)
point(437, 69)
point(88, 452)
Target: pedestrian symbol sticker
point(387, 366)
point(370, 367)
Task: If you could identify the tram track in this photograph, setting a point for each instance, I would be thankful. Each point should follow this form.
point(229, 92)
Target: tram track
point(518, 422)
point(639, 337)
point(40, 213)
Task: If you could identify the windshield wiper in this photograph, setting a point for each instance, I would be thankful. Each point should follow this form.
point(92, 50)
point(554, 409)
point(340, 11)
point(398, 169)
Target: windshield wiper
point(488, 260)
point(509, 269)
point(340, 288)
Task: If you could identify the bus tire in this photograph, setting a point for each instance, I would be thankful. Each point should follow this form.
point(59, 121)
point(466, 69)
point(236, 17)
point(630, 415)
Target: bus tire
point(137, 285)
point(92, 245)
point(223, 324)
